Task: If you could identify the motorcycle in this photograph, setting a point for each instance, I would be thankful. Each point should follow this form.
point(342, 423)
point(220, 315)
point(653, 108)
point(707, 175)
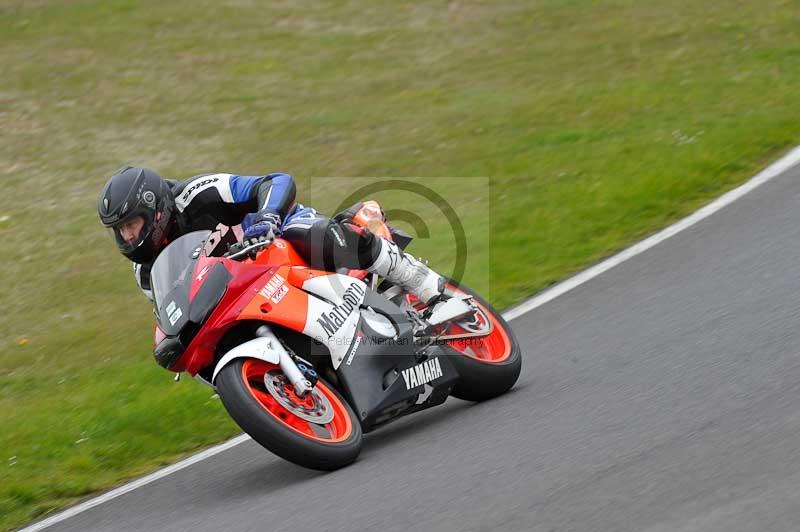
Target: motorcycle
point(305, 361)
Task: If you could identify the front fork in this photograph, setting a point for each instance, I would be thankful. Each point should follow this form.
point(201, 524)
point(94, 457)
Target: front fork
point(300, 379)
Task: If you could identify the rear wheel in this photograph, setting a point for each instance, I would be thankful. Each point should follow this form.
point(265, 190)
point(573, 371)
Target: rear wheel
point(318, 431)
point(489, 361)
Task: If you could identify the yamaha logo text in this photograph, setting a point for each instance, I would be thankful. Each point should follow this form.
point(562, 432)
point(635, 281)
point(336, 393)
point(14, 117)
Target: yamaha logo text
point(428, 371)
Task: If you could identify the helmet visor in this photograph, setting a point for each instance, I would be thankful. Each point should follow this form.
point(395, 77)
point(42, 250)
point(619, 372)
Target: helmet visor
point(131, 233)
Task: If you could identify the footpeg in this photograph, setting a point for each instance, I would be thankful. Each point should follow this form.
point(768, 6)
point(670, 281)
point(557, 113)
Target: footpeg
point(452, 309)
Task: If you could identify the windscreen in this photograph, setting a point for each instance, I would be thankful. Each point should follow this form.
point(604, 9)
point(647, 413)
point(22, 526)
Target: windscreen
point(171, 280)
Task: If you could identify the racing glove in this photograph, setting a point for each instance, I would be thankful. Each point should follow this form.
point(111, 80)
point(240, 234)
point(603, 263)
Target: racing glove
point(262, 224)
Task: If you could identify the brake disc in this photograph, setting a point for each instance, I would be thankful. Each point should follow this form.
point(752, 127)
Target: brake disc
point(321, 412)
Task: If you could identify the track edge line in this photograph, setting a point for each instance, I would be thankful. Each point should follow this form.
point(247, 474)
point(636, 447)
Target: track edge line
point(775, 169)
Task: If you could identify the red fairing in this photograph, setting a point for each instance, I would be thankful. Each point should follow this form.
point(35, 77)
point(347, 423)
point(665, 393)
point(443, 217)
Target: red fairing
point(200, 352)
point(249, 298)
point(248, 277)
point(201, 271)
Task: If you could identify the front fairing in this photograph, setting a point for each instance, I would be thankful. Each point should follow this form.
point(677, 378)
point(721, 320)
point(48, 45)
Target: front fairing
point(171, 279)
point(187, 286)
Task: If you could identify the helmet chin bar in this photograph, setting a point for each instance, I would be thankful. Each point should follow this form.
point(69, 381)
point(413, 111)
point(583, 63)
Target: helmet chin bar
point(153, 237)
point(141, 251)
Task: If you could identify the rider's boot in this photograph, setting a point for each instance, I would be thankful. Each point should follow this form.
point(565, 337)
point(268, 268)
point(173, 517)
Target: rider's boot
point(407, 272)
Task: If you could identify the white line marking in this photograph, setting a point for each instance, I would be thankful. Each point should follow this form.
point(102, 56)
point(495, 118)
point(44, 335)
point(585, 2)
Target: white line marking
point(122, 490)
point(775, 169)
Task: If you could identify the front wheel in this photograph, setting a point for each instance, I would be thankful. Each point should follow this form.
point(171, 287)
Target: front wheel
point(488, 364)
point(318, 431)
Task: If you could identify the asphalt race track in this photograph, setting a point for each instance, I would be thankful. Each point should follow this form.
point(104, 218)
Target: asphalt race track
point(661, 396)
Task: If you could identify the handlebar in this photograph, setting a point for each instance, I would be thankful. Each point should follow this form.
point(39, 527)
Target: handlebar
point(234, 253)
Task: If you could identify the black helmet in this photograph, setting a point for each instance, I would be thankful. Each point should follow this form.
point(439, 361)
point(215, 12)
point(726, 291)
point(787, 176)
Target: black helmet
point(133, 192)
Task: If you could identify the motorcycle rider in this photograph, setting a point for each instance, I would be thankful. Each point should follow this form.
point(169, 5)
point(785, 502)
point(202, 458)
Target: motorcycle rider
point(145, 212)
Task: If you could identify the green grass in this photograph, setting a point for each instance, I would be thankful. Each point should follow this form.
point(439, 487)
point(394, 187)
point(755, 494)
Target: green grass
point(595, 122)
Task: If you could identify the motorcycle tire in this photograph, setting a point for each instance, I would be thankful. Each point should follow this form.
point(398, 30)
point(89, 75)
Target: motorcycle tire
point(489, 366)
point(263, 403)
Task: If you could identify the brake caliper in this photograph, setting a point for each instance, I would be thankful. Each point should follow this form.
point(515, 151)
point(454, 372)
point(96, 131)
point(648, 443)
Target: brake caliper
point(307, 370)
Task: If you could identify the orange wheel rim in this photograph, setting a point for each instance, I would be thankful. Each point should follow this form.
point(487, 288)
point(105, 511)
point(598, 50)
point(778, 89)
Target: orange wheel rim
point(493, 348)
point(337, 430)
